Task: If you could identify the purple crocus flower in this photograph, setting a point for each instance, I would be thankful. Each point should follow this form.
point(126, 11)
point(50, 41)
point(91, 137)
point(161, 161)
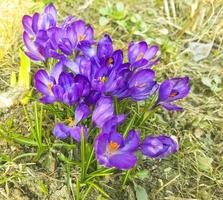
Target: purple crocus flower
point(159, 146)
point(112, 150)
point(171, 90)
point(35, 33)
point(107, 67)
point(140, 54)
point(67, 90)
point(84, 33)
point(44, 82)
point(74, 130)
point(42, 21)
point(141, 84)
point(62, 131)
point(63, 39)
point(105, 54)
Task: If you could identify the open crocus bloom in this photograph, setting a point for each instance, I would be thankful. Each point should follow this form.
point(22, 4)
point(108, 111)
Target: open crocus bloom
point(62, 131)
point(44, 82)
point(35, 33)
point(159, 146)
point(171, 90)
point(142, 84)
point(105, 54)
point(140, 54)
point(112, 150)
point(84, 33)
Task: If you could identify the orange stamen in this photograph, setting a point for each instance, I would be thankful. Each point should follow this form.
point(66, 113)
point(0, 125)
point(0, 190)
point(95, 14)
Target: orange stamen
point(139, 57)
point(70, 121)
point(173, 94)
point(81, 37)
point(112, 147)
point(103, 79)
point(49, 86)
point(139, 85)
point(110, 61)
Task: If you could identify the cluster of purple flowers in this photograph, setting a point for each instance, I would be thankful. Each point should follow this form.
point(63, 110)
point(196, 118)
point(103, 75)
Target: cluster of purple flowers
point(88, 74)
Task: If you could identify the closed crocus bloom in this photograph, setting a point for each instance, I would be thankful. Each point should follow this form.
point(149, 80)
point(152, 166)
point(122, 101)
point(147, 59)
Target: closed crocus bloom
point(112, 150)
point(140, 54)
point(103, 111)
point(142, 84)
point(171, 90)
point(158, 146)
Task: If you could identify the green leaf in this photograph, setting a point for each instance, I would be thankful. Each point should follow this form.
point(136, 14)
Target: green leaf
point(103, 21)
point(24, 70)
point(141, 193)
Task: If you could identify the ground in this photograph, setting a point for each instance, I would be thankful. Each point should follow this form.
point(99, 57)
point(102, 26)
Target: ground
point(189, 34)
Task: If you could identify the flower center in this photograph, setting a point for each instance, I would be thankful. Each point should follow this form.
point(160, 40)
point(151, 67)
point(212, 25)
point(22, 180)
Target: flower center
point(139, 57)
point(173, 94)
point(110, 61)
point(112, 147)
point(70, 121)
point(49, 86)
point(103, 79)
point(81, 37)
point(140, 85)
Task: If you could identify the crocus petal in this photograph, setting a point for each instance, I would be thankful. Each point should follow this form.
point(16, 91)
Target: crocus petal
point(35, 21)
point(48, 99)
point(170, 106)
point(165, 90)
point(27, 24)
point(82, 112)
point(61, 131)
point(58, 92)
point(118, 58)
point(103, 111)
point(111, 124)
point(50, 9)
point(104, 48)
point(31, 46)
point(116, 138)
point(100, 146)
point(151, 52)
point(57, 70)
point(131, 142)
point(123, 161)
point(41, 81)
point(75, 132)
point(79, 27)
point(89, 33)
